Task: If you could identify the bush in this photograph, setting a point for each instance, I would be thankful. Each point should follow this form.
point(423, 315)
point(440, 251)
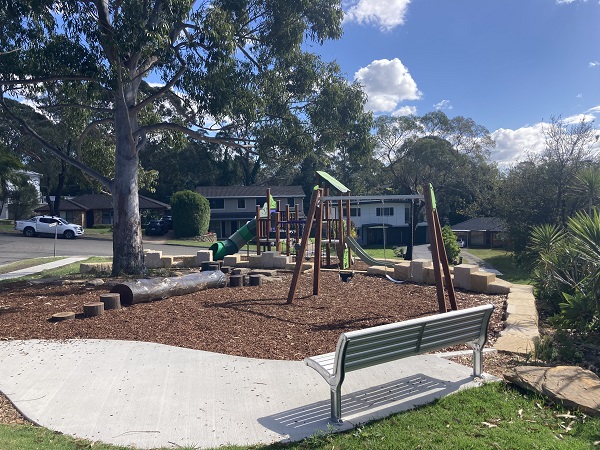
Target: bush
point(191, 214)
point(450, 243)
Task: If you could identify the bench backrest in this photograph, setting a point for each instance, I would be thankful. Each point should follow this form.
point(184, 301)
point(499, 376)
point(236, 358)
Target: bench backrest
point(376, 345)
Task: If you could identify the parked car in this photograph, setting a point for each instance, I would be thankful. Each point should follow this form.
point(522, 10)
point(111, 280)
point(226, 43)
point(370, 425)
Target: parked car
point(461, 242)
point(156, 227)
point(48, 225)
point(169, 221)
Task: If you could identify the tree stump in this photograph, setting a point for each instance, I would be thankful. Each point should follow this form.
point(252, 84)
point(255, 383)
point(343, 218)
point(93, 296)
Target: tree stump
point(111, 300)
point(225, 269)
point(205, 265)
point(93, 309)
point(59, 317)
point(236, 280)
point(214, 266)
point(255, 280)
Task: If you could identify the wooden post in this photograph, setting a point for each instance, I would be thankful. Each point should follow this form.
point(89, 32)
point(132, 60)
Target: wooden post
point(327, 218)
point(433, 242)
point(236, 280)
point(348, 228)
point(278, 227)
point(318, 242)
point(287, 230)
point(297, 219)
point(258, 229)
point(305, 237)
point(444, 259)
point(340, 234)
point(93, 309)
point(111, 300)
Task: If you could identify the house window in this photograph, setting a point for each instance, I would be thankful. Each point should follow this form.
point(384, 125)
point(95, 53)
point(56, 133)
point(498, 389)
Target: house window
point(107, 217)
point(291, 201)
point(69, 216)
point(216, 203)
point(241, 203)
point(354, 212)
point(387, 211)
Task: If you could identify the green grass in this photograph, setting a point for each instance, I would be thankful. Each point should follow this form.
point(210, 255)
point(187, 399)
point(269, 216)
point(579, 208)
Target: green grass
point(69, 269)
point(494, 416)
point(27, 263)
point(378, 252)
point(504, 262)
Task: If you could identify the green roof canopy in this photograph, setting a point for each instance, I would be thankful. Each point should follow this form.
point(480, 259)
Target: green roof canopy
point(335, 183)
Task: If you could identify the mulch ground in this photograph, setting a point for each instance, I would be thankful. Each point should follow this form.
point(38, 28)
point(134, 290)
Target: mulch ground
point(248, 321)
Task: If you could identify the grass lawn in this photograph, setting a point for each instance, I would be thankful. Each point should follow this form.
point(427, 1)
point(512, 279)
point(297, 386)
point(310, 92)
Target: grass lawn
point(504, 262)
point(494, 416)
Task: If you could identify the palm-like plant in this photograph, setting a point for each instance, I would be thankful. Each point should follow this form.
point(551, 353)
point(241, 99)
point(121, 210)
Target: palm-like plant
point(587, 184)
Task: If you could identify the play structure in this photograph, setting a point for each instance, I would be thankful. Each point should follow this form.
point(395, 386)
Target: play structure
point(330, 215)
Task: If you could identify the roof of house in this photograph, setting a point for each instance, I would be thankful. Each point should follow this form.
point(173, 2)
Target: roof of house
point(65, 205)
point(480, 224)
point(249, 191)
point(100, 201)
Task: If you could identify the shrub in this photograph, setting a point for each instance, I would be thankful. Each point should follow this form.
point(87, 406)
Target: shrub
point(450, 243)
point(191, 214)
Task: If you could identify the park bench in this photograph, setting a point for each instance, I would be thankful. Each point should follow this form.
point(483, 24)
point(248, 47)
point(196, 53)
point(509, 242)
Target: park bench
point(377, 345)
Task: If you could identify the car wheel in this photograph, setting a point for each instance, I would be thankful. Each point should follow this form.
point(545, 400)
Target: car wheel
point(29, 232)
point(69, 234)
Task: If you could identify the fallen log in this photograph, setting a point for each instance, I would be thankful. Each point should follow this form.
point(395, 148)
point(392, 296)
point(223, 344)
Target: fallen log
point(149, 289)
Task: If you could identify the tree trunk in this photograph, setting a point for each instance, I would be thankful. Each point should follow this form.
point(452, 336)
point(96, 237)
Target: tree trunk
point(128, 253)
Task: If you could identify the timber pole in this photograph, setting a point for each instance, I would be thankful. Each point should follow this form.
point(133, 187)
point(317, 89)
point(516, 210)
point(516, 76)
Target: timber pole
point(433, 242)
point(303, 244)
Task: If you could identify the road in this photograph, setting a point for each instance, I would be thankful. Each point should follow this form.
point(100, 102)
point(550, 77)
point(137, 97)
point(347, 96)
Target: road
point(16, 247)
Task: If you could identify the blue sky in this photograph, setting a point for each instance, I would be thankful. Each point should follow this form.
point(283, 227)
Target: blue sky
point(508, 64)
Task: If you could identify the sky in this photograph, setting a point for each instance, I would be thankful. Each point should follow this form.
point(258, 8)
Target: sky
point(510, 65)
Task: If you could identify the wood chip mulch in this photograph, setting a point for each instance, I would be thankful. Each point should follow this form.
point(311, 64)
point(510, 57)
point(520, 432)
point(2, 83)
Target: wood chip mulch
point(248, 321)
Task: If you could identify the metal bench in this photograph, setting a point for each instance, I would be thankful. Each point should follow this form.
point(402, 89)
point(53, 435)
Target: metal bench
point(377, 345)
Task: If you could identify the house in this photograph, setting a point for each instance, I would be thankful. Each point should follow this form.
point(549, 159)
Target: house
point(34, 179)
point(232, 206)
point(93, 209)
point(383, 222)
point(481, 232)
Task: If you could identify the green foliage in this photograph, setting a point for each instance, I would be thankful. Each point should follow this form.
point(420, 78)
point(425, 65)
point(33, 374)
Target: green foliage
point(23, 198)
point(191, 214)
point(578, 311)
point(450, 243)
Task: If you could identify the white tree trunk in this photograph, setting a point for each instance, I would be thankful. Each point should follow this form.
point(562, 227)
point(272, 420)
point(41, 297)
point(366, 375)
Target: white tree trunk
point(128, 253)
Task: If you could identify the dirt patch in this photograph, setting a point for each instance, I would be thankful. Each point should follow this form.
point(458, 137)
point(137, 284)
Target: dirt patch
point(248, 321)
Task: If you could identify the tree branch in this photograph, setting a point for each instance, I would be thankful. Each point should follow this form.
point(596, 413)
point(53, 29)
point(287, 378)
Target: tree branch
point(79, 106)
point(54, 150)
point(162, 91)
point(230, 142)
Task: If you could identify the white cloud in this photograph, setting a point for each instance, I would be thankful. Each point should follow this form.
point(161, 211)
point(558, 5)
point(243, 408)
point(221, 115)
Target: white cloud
point(387, 83)
point(405, 111)
point(593, 64)
point(580, 95)
point(595, 109)
point(572, 120)
point(386, 14)
point(512, 146)
point(444, 104)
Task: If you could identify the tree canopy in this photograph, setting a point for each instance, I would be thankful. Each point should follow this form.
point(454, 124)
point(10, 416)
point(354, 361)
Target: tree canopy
point(228, 72)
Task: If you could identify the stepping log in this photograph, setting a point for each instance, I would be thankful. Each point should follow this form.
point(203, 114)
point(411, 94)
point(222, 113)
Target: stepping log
point(111, 300)
point(236, 280)
point(255, 280)
point(93, 309)
point(59, 317)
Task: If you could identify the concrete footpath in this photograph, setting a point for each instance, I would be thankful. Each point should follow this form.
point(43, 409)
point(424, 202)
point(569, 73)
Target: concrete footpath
point(41, 267)
point(151, 395)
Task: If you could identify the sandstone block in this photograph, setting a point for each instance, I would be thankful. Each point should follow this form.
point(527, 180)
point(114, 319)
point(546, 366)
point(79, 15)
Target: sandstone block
point(462, 275)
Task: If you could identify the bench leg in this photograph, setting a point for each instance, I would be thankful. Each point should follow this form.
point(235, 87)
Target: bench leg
point(336, 404)
point(477, 361)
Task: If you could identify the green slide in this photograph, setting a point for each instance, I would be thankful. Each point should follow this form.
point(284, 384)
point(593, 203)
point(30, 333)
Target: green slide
point(362, 254)
point(235, 242)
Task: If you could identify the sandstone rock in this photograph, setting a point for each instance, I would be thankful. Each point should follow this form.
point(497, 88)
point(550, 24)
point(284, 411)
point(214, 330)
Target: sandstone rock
point(571, 386)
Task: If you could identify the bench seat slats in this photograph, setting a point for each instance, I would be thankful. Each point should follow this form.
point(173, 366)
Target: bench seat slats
point(376, 345)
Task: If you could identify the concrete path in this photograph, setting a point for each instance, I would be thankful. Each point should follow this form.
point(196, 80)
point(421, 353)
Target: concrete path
point(41, 267)
point(521, 324)
point(150, 395)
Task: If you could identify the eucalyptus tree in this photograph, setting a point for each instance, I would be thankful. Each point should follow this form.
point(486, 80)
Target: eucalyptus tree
point(229, 72)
